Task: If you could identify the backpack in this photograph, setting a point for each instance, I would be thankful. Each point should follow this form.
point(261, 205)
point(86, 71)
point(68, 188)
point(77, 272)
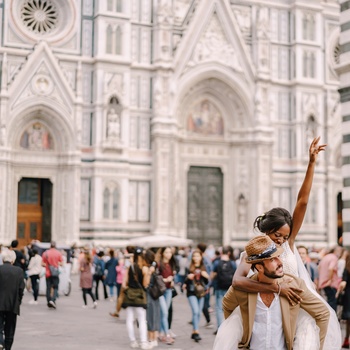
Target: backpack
point(157, 287)
point(225, 272)
point(98, 269)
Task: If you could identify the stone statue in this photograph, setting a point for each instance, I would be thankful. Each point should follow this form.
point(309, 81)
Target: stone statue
point(113, 125)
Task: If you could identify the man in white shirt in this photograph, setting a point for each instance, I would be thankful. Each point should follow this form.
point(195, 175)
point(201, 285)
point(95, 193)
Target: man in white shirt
point(269, 321)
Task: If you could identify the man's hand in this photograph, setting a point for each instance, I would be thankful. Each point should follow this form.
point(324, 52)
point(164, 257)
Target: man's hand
point(291, 293)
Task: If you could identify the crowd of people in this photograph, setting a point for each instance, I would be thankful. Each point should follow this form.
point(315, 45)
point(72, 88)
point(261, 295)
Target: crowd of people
point(310, 286)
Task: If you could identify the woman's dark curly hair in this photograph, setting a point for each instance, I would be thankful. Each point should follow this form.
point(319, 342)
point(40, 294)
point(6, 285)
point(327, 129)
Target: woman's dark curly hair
point(273, 220)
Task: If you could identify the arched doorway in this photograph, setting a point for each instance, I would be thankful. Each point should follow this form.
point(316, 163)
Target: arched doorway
point(34, 210)
point(205, 205)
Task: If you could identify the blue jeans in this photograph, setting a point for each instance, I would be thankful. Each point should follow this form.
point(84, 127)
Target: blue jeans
point(52, 282)
point(164, 302)
point(219, 294)
point(196, 307)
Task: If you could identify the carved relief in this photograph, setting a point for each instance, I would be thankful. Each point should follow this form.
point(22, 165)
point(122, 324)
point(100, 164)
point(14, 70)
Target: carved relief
point(37, 138)
point(204, 118)
point(181, 8)
point(214, 46)
point(262, 25)
point(42, 85)
point(244, 20)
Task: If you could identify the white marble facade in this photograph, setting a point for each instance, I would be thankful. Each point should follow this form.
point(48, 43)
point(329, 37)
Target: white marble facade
point(115, 100)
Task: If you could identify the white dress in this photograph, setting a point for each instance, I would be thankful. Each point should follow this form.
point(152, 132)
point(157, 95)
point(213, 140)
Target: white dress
point(307, 333)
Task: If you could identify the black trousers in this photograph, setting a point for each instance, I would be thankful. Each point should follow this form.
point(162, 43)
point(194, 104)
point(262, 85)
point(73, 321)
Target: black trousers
point(87, 291)
point(35, 286)
point(99, 279)
point(8, 322)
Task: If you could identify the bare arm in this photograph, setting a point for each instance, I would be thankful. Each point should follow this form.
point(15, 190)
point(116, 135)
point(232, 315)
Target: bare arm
point(241, 282)
point(304, 192)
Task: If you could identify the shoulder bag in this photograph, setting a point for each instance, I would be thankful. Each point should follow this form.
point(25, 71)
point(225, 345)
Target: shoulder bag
point(135, 296)
point(158, 287)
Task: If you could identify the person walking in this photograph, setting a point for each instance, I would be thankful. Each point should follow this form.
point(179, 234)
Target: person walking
point(311, 267)
point(11, 294)
point(269, 320)
point(33, 272)
point(52, 259)
point(167, 267)
point(99, 275)
point(328, 275)
point(137, 278)
point(209, 268)
point(111, 278)
point(153, 307)
point(344, 288)
point(223, 271)
point(86, 279)
point(195, 282)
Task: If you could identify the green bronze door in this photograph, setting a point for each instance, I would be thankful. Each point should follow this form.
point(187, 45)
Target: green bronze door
point(204, 205)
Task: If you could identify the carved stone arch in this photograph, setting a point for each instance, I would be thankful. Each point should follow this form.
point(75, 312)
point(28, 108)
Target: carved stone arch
point(61, 131)
point(223, 100)
point(238, 92)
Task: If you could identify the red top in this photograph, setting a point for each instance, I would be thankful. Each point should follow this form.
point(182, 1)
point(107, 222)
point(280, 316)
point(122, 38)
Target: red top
point(52, 257)
point(166, 271)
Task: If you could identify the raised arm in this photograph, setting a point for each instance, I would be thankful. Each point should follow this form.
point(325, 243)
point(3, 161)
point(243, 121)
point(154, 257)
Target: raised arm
point(304, 192)
point(241, 282)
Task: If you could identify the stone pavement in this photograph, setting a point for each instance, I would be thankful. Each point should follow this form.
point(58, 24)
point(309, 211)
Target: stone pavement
point(71, 327)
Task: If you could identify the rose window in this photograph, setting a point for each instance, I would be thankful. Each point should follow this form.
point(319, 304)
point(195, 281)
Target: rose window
point(39, 16)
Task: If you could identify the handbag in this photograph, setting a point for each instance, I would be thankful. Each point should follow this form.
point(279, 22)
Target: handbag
point(173, 292)
point(157, 287)
point(135, 296)
point(199, 290)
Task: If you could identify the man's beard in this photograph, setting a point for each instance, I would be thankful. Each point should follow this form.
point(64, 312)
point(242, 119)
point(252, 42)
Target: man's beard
point(273, 274)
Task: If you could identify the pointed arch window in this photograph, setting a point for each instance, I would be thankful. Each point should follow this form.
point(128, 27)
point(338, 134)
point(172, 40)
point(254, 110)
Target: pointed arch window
point(118, 41)
point(106, 203)
point(115, 204)
point(309, 26)
point(111, 202)
point(119, 5)
point(110, 4)
point(109, 43)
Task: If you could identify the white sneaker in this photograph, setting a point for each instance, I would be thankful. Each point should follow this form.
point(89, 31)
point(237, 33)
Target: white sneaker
point(145, 346)
point(134, 344)
point(84, 306)
point(172, 334)
point(154, 343)
point(95, 305)
point(33, 302)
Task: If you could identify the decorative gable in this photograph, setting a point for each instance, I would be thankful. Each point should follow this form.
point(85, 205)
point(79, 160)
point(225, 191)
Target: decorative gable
point(214, 46)
point(41, 77)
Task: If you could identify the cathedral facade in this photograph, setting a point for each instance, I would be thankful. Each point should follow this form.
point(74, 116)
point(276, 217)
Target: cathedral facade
point(125, 118)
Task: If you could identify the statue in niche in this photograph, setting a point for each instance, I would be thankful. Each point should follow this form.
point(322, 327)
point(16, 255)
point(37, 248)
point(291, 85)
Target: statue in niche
point(36, 138)
point(113, 125)
point(242, 210)
point(311, 130)
point(204, 118)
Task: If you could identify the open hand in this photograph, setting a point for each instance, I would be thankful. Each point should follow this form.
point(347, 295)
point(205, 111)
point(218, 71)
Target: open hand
point(315, 148)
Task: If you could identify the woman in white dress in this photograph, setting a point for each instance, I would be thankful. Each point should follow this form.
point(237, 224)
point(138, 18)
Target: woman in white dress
point(283, 229)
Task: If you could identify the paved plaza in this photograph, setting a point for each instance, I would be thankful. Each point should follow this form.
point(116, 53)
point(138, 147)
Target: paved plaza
point(72, 327)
